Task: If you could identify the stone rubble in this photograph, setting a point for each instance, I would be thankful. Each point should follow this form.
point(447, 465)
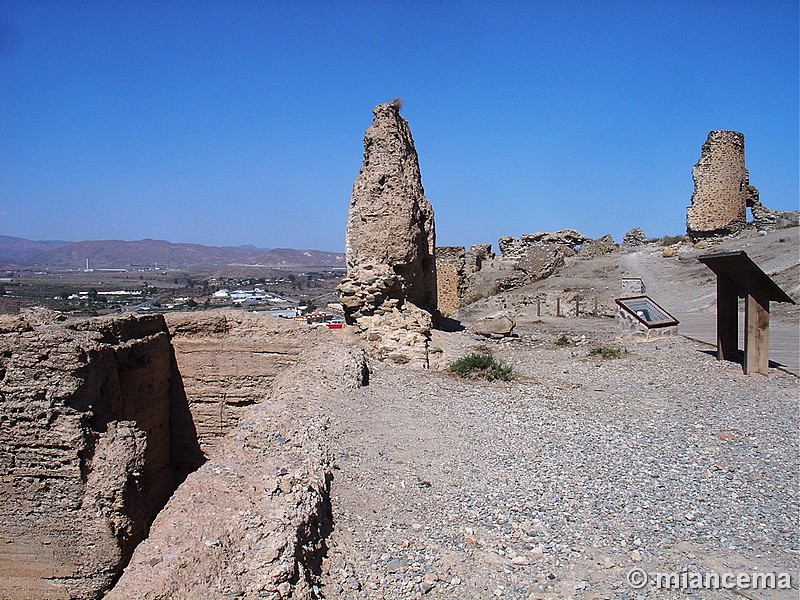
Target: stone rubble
point(635, 237)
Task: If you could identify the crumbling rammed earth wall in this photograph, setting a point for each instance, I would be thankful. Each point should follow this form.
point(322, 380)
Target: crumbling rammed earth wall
point(228, 361)
point(96, 432)
point(454, 268)
point(389, 292)
point(450, 278)
point(390, 222)
point(86, 456)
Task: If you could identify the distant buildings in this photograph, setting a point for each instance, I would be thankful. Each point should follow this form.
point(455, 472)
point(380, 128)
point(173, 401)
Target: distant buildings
point(255, 296)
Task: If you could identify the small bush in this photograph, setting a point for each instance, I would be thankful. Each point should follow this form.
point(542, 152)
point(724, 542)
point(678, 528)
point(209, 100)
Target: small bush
point(481, 366)
point(608, 352)
point(668, 240)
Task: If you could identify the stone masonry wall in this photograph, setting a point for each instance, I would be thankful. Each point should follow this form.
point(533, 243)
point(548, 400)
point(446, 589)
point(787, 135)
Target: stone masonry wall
point(450, 277)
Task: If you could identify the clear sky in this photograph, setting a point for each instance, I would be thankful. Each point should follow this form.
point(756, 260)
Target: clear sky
point(241, 122)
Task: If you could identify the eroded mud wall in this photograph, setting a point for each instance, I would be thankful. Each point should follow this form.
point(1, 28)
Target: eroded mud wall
point(85, 449)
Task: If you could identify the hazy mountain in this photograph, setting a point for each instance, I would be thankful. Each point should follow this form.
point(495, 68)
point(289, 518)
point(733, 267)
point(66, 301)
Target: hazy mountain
point(106, 254)
point(248, 248)
point(13, 248)
point(306, 258)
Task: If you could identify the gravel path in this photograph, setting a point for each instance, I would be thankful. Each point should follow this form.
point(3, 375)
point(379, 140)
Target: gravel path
point(556, 485)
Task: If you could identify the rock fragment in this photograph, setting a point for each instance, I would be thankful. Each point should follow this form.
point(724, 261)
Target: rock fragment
point(495, 326)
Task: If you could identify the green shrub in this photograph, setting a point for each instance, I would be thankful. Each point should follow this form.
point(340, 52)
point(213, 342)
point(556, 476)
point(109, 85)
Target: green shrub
point(481, 366)
point(608, 352)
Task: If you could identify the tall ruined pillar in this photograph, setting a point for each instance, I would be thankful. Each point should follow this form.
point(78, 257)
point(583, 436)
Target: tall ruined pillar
point(721, 188)
point(389, 292)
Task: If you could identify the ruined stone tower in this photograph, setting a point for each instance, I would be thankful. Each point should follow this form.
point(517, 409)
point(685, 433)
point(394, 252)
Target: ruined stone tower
point(389, 292)
point(722, 189)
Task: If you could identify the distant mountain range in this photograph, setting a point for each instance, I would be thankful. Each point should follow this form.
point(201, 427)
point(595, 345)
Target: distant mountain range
point(111, 254)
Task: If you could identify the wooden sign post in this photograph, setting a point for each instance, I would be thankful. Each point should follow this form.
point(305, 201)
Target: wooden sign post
point(739, 277)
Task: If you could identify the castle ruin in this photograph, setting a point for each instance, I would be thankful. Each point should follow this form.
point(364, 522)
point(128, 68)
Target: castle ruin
point(722, 192)
point(721, 188)
point(389, 292)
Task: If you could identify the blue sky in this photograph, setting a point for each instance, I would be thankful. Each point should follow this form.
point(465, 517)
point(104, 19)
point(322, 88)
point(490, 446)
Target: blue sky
point(234, 122)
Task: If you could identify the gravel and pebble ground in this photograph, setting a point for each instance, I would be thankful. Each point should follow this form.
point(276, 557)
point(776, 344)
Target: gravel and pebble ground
point(557, 484)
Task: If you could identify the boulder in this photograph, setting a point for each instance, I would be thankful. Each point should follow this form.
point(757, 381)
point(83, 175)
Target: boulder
point(669, 251)
point(498, 325)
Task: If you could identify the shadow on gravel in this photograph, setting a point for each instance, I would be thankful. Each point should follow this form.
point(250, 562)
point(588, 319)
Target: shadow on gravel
point(739, 359)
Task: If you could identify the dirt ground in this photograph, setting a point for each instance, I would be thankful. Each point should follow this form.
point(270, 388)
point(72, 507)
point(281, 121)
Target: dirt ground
point(558, 484)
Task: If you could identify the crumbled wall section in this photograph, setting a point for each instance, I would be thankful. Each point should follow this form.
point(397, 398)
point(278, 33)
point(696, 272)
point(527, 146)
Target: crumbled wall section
point(540, 255)
point(478, 253)
point(520, 248)
point(455, 268)
point(85, 449)
point(766, 219)
point(252, 521)
point(721, 187)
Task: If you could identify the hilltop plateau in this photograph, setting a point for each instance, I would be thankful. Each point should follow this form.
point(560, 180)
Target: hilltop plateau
point(680, 283)
point(553, 485)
